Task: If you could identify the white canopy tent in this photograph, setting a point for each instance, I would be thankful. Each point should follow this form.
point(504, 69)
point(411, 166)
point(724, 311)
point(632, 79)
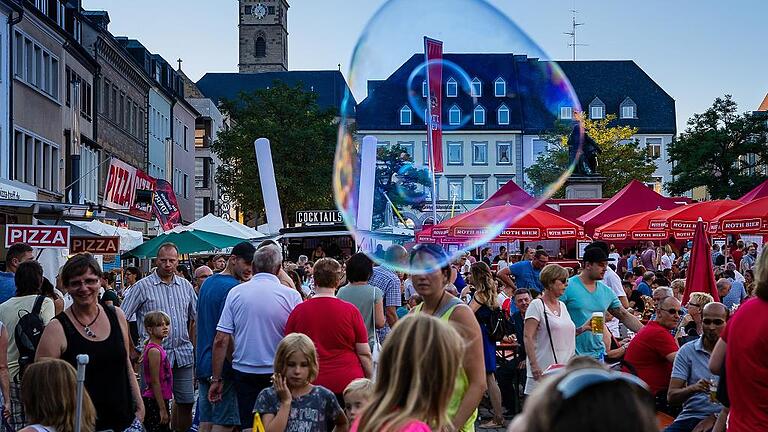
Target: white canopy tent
point(129, 239)
point(217, 225)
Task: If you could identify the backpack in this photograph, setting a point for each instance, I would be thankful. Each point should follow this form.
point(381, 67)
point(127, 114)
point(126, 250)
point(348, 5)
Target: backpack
point(498, 325)
point(28, 332)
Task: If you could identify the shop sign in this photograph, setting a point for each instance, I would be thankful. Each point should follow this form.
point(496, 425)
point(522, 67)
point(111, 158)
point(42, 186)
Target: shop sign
point(41, 236)
point(95, 245)
point(11, 192)
point(319, 217)
point(121, 185)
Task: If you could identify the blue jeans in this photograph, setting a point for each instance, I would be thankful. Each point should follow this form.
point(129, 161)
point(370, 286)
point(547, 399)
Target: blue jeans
point(686, 425)
point(248, 386)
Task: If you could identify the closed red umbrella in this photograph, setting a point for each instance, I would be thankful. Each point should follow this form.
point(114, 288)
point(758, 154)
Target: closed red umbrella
point(647, 225)
point(751, 217)
point(514, 223)
point(699, 276)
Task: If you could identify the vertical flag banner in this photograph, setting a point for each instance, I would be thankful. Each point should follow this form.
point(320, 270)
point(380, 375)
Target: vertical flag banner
point(433, 50)
point(165, 205)
point(142, 202)
point(121, 185)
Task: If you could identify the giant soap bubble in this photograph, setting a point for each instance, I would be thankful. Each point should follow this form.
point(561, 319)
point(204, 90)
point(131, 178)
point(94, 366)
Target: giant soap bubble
point(499, 93)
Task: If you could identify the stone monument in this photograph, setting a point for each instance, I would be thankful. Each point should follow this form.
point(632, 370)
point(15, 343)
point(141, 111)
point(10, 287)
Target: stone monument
point(585, 181)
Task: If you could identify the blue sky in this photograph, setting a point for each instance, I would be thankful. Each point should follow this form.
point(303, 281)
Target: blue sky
point(696, 50)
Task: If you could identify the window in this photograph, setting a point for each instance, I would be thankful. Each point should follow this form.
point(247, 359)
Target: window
point(68, 80)
point(381, 145)
point(36, 161)
point(405, 115)
point(261, 47)
point(248, 10)
point(271, 10)
point(36, 66)
point(566, 113)
point(184, 138)
point(455, 152)
point(539, 147)
point(408, 146)
point(456, 189)
point(425, 153)
point(478, 115)
point(454, 116)
point(105, 97)
point(19, 60)
point(504, 153)
point(479, 189)
point(503, 115)
point(451, 88)
point(627, 111)
point(479, 153)
point(424, 89)
point(477, 88)
point(113, 116)
point(499, 87)
point(89, 184)
point(653, 146)
point(596, 112)
point(185, 185)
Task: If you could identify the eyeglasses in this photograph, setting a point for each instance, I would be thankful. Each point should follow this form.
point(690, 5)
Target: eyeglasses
point(579, 380)
point(716, 321)
point(674, 311)
point(564, 280)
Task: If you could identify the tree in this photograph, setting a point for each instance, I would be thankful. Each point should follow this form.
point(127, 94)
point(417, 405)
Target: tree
point(621, 159)
point(303, 142)
point(724, 151)
point(402, 182)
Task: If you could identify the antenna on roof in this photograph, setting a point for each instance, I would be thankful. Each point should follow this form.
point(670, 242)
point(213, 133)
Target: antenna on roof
point(572, 33)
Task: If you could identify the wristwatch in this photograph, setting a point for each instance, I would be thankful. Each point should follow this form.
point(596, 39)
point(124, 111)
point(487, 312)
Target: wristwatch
point(213, 379)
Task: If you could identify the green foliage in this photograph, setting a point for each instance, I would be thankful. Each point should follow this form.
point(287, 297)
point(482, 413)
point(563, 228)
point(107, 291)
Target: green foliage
point(303, 142)
point(402, 182)
point(724, 151)
point(621, 160)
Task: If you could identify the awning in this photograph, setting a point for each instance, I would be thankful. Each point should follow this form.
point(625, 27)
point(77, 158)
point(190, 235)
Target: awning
point(74, 230)
point(46, 206)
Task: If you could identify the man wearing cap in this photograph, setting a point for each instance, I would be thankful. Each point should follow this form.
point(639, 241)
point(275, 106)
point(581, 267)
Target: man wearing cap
point(586, 294)
point(213, 293)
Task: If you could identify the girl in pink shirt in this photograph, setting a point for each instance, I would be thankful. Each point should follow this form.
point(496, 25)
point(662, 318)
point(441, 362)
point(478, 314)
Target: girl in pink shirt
point(415, 378)
point(157, 373)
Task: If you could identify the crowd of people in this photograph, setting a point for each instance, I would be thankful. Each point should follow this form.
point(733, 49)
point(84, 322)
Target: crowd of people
point(251, 341)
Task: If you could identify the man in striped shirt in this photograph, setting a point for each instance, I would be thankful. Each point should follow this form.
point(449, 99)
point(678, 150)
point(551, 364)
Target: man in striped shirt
point(163, 290)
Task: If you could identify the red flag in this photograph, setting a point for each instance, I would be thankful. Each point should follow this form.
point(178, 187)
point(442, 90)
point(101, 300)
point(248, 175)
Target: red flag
point(699, 276)
point(433, 50)
point(164, 204)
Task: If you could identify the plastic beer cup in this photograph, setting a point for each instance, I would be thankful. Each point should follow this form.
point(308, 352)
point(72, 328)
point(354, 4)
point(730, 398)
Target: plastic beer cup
point(598, 320)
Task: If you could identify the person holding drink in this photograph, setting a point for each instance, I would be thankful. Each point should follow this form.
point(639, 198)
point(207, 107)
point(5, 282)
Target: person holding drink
point(691, 383)
point(549, 332)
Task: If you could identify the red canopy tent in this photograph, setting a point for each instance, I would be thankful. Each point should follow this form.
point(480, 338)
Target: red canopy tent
point(681, 222)
point(760, 191)
point(751, 217)
point(647, 225)
point(699, 276)
point(633, 198)
point(533, 224)
point(509, 193)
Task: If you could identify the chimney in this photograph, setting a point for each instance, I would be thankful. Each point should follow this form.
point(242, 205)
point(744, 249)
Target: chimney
point(99, 18)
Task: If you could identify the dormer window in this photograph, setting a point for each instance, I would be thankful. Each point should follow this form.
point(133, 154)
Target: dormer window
point(479, 115)
point(499, 87)
point(566, 113)
point(596, 109)
point(451, 88)
point(424, 88)
point(454, 115)
point(405, 115)
point(503, 115)
point(628, 109)
point(477, 88)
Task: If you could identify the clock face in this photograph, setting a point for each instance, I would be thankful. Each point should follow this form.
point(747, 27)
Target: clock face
point(260, 11)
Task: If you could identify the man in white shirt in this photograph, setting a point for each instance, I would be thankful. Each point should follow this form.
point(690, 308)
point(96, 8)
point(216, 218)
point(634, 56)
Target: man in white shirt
point(254, 317)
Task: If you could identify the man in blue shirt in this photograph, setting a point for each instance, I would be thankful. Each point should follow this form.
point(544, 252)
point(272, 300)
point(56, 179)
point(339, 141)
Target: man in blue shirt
point(526, 272)
point(736, 294)
point(213, 294)
point(586, 294)
point(690, 381)
point(17, 254)
point(644, 287)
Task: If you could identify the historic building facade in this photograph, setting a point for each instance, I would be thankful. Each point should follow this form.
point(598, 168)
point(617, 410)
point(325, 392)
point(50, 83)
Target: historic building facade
point(263, 34)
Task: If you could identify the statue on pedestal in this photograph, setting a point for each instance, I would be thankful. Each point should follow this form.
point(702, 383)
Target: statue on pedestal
point(585, 162)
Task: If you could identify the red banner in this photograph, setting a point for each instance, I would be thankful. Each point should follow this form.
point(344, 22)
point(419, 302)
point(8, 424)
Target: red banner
point(121, 185)
point(142, 203)
point(165, 206)
point(433, 50)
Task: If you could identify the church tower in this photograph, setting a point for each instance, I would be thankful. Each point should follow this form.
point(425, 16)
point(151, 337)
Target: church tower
point(263, 36)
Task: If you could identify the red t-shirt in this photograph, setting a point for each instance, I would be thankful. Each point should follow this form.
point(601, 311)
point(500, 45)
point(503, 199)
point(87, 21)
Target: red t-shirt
point(648, 353)
point(335, 326)
point(736, 253)
point(746, 368)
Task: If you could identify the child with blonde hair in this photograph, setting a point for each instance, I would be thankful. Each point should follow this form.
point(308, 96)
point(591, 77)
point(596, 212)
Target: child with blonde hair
point(416, 376)
point(356, 397)
point(293, 403)
point(157, 373)
point(49, 396)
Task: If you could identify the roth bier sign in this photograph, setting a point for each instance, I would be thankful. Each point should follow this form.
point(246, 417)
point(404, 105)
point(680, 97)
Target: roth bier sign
point(39, 236)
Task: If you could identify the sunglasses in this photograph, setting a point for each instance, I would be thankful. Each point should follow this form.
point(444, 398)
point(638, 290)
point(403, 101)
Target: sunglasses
point(564, 280)
point(716, 321)
point(579, 380)
point(694, 304)
point(674, 311)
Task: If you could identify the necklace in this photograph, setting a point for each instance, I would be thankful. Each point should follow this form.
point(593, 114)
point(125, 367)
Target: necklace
point(437, 306)
point(87, 328)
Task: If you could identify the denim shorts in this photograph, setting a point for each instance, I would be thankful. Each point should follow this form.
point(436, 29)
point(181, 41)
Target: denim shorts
point(222, 413)
point(183, 385)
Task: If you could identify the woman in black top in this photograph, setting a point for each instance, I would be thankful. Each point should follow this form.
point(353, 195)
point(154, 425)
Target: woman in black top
point(86, 327)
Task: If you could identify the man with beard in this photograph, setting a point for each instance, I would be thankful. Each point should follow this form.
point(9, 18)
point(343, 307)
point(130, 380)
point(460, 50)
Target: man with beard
point(689, 384)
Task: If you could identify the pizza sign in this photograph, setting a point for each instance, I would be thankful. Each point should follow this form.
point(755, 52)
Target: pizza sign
point(121, 185)
point(95, 245)
point(40, 236)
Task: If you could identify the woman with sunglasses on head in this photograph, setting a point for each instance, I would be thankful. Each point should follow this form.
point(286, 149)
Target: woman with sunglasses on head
point(549, 332)
point(431, 272)
point(691, 326)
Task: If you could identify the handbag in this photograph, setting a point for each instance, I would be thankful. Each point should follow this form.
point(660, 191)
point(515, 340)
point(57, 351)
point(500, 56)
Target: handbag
point(376, 349)
point(549, 331)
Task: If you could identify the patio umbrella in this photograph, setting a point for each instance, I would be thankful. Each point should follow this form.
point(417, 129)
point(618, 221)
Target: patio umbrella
point(647, 225)
point(186, 240)
point(751, 217)
point(681, 221)
point(532, 225)
point(699, 276)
